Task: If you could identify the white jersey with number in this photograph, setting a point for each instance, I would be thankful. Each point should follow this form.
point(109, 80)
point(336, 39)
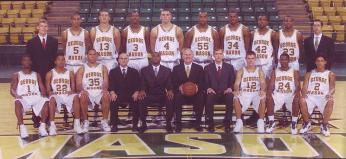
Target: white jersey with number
point(75, 48)
point(28, 85)
point(104, 44)
point(167, 44)
point(263, 47)
point(234, 47)
point(318, 83)
point(135, 44)
point(202, 44)
point(250, 82)
point(284, 81)
point(289, 45)
point(93, 79)
point(61, 82)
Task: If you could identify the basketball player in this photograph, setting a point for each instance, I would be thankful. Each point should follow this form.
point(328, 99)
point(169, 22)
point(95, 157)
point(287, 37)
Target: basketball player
point(76, 42)
point(236, 41)
point(92, 83)
point(203, 40)
point(318, 91)
point(264, 44)
point(29, 93)
point(106, 41)
point(136, 42)
point(60, 84)
point(249, 87)
point(283, 88)
point(167, 39)
point(290, 42)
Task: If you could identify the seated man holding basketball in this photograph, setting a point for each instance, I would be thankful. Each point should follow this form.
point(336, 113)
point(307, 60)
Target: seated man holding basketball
point(188, 80)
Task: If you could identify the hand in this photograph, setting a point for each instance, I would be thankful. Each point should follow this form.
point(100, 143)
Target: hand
point(114, 96)
point(262, 94)
point(141, 95)
point(170, 95)
point(228, 90)
point(181, 89)
point(135, 96)
point(329, 97)
point(210, 90)
point(69, 92)
point(236, 93)
point(18, 97)
point(196, 88)
point(304, 95)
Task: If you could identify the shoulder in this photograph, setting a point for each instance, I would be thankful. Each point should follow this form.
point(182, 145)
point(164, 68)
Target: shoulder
point(227, 65)
point(197, 66)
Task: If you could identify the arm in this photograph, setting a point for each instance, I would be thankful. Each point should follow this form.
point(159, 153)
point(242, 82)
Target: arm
point(144, 85)
point(216, 38)
point(306, 54)
point(251, 39)
point(246, 35)
point(222, 37)
point(123, 42)
point(331, 54)
point(147, 39)
point(73, 83)
point(180, 37)
point(206, 77)
point(41, 85)
point(237, 82)
point(271, 85)
point(117, 39)
point(105, 79)
point(64, 40)
point(87, 40)
point(300, 39)
point(262, 83)
point(331, 84)
point(232, 78)
point(14, 84)
point(111, 81)
point(297, 83)
point(79, 79)
point(305, 84)
point(153, 36)
point(92, 36)
point(189, 38)
point(48, 83)
point(275, 43)
point(201, 86)
point(169, 86)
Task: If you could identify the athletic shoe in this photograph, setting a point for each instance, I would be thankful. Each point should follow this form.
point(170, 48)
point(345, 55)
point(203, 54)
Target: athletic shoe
point(306, 127)
point(294, 130)
point(238, 126)
point(52, 129)
point(42, 130)
point(85, 126)
point(105, 126)
point(23, 131)
point(260, 126)
point(77, 127)
point(271, 126)
point(325, 130)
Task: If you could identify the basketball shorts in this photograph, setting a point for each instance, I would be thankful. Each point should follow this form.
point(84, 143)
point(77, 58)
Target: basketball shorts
point(34, 102)
point(267, 69)
point(294, 65)
point(203, 64)
point(73, 68)
point(66, 100)
point(236, 63)
point(138, 64)
point(318, 101)
point(169, 64)
point(280, 99)
point(94, 99)
point(110, 64)
point(246, 99)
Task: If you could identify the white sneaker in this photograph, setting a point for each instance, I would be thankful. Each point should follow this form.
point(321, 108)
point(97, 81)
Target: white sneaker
point(238, 126)
point(325, 130)
point(76, 126)
point(105, 126)
point(23, 131)
point(85, 126)
point(294, 130)
point(271, 126)
point(42, 130)
point(260, 126)
point(306, 127)
point(52, 129)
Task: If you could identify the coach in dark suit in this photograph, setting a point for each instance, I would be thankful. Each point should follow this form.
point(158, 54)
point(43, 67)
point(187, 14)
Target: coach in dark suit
point(123, 87)
point(219, 81)
point(318, 44)
point(156, 87)
point(188, 72)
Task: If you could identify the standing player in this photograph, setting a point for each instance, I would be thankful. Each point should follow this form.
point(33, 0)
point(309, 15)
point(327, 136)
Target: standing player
point(92, 83)
point(290, 42)
point(76, 42)
point(106, 41)
point(167, 39)
point(28, 90)
point(249, 87)
point(136, 42)
point(283, 88)
point(60, 84)
point(318, 91)
point(236, 41)
point(264, 44)
point(203, 40)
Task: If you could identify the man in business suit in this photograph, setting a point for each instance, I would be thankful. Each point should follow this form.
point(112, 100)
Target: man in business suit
point(156, 87)
point(219, 81)
point(123, 87)
point(188, 72)
point(318, 44)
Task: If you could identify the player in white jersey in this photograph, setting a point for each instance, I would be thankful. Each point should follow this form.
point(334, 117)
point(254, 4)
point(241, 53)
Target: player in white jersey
point(318, 91)
point(60, 84)
point(264, 44)
point(76, 42)
point(249, 87)
point(203, 40)
point(236, 41)
point(290, 42)
point(29, 93)
point(136, 42)
point(92, 83)
point(283, 88)
point(167, 39)
point(106, 41)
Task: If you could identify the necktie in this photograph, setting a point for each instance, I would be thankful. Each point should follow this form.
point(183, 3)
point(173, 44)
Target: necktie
point(187, 71)
point(316, 43)
point(124, 72)
point(156, 71)
point(219, 72)
point(43, 43)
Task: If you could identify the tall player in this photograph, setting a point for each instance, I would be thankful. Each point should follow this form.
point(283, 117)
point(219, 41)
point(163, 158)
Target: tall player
point(167, 39)
point(290, 42)
point(60, 84)
point(29, 93)
point(136, 42)
point(283, 88)
point(106, 41)
point(318, 91)
point(236, 41)
point(92, 83)
point(203, 40)
point(249, 87)
point(76, 42)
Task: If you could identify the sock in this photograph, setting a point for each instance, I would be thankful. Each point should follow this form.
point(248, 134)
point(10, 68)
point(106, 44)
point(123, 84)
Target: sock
point(52, 123)
point(271, 118)
point(239, 120)
point(294, 119)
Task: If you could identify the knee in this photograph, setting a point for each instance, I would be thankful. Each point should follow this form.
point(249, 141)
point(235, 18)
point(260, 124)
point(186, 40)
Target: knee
point(302, 101)
point(52, 101)
point(75, 98)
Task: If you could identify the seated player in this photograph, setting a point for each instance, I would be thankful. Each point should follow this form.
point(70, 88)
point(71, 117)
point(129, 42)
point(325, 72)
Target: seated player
point(283, 88)
point(92, 83)
point(29, 93)
point(60, 84)
point(318, 91)
point(249, 87)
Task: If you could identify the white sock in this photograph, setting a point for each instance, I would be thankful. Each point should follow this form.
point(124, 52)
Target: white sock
point(239, 120)
point(294, 119)
point(271, 118)
point(104, 120)
point(77, 120)
point(52, 123)
point(260, 120)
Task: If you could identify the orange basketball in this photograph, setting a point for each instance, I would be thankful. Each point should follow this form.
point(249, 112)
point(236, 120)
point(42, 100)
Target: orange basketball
point(189, 89)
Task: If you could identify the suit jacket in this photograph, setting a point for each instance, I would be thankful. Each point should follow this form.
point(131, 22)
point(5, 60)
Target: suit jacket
point(196, 76)
point(42, 59)
point(219, 84)
point(156, 85)
point(124, 85)
point(325, 47)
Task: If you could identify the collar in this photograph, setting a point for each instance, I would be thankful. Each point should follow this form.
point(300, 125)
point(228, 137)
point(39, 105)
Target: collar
point(41, 37)
point(158, 67)
point(218, 65)
point(121, 68)
point(319, 36)
point(185, 65)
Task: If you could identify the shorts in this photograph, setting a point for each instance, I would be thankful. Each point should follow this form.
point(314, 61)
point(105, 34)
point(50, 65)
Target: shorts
point(236, 63)
point(169, 64)
point(247, 98)
point(34, 102)
point(73, 68)
point(281, 99)
point(138, 64)
point(110, 64)
point(294, 65)
point(203, 64)
point(94, 100)
point(66, 100)
point(267, 69)
point(313, 101)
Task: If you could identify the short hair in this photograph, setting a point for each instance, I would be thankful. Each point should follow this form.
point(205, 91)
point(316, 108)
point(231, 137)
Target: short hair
point(26, 56)
point(232, 10)
point(133, 12)
point(218, 50)
point(74, 14)
point(91, 50)
point(263, 15)
point(288, 16)
point(165, 10)
point(285, 55)
point(318, 20)
point(121, 54)
point(321, 55)
point(186, 49)
point(103, 10)
point(59, 54)
point(202, 11)
point(42, 20)
point(250, 53)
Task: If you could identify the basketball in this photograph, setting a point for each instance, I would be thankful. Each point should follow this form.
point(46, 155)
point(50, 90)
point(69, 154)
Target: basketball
point(189, 89)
